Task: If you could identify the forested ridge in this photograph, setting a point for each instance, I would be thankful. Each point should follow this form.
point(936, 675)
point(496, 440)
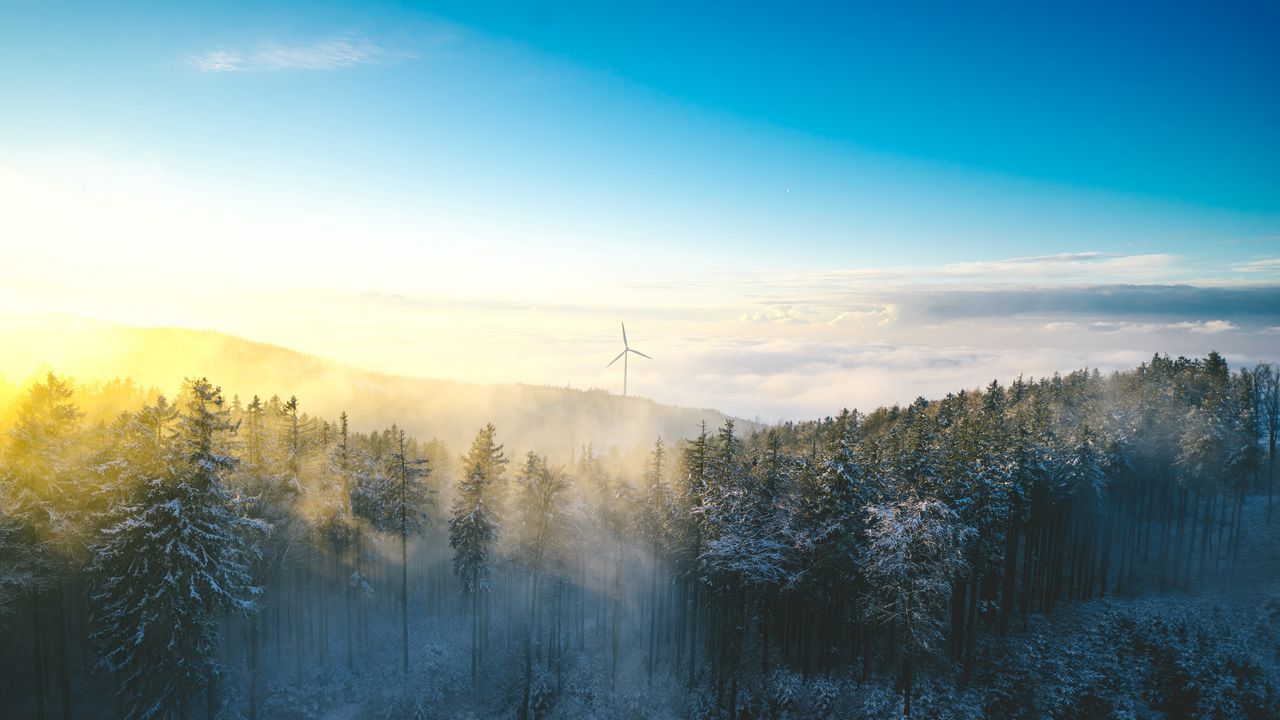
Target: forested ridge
point(1079, 545)
point(553, 420)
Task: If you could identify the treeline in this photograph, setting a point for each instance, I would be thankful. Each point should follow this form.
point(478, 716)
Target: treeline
point(148, 556)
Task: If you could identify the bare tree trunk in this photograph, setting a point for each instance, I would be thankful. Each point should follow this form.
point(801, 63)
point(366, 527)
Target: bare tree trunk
point(295, 618)
point(975, 589)
point(907, 679)
point(64, 656)
point(211, 685)
point(404, 602)
point(1271, 474)
point(351, 663)
point(278, 625)
point(763, 622)
point(1010, 569)
point(1207, 534)
point(653, 616)
point(528, 648)
point(37, 654)
point(561, 640)
point(617, 606)
point(475, 624)
point(254, 643)
point(323, 586)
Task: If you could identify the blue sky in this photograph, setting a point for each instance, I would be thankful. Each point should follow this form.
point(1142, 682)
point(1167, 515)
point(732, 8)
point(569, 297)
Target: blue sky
point(725, 173)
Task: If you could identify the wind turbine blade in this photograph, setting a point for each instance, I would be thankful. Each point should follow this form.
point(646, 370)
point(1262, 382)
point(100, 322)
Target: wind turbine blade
point(638, 353)
point(624, 335)
point(611, 362)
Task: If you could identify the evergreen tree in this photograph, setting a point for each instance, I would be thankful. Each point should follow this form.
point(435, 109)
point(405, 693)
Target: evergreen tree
point(915, 549)
point(17, 566)
point(654, 522)
point(404, 506)
point(1269, 403)
point(173, 555)
point(540, 535)
point(473, 524)
point(43, 467)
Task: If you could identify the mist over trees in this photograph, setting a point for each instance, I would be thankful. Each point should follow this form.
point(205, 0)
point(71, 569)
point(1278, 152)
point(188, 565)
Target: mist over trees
point(1072, 546)
point(554, 421)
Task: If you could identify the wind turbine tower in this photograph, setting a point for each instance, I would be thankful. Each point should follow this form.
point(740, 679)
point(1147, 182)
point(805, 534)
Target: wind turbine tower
point(626, 350)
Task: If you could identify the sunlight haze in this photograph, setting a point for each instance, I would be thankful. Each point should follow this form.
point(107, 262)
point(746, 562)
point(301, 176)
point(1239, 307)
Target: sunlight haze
point(477, 195)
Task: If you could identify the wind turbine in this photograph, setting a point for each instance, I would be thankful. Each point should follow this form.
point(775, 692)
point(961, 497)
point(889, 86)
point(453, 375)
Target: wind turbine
point(626, 348)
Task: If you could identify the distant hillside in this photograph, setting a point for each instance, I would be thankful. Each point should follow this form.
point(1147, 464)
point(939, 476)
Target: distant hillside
point(555, 421)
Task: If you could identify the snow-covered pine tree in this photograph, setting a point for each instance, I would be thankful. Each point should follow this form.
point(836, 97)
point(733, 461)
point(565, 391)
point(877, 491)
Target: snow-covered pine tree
point(654, 523)
point(916, 547)
point(540, 535)
point(695, 460)
point(744, 551)
point(175, 554)
point(404, 504)
point(343, 527)
point(473, 524)
point(42, 462)
point(1269, 414)
point(825, 508)
point(16, 562)
point(611, 508)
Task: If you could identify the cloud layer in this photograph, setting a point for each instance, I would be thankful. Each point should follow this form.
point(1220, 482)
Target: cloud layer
point(422, 300)
point(1185, 302)
point(325, 54)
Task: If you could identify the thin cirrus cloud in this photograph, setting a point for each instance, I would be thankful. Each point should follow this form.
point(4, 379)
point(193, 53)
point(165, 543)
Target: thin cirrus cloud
point(1097, 308)
point(1269, 265)
point(1200, 327)
point(1258, 304)
point(1083, 287)
point(325, 54)
point(1058, 268)
point(1091, 268)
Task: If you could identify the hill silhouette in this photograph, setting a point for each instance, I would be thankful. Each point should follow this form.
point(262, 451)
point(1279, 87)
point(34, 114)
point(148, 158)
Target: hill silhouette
point(553, 420)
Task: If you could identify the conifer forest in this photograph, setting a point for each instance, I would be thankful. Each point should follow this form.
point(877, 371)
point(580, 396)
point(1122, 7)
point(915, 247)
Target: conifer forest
point(660, 360)
point(1083, 545)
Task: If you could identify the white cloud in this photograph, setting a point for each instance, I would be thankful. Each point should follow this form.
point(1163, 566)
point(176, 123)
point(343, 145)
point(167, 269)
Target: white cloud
point(327, 54)
point(1202, 327)
point(94, 236)
point(1269, 265)
point(219, 61)
point(874, 316)
point(770, 315)
point(1062, 268)
point(1064, 326)
point(1208, 327)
